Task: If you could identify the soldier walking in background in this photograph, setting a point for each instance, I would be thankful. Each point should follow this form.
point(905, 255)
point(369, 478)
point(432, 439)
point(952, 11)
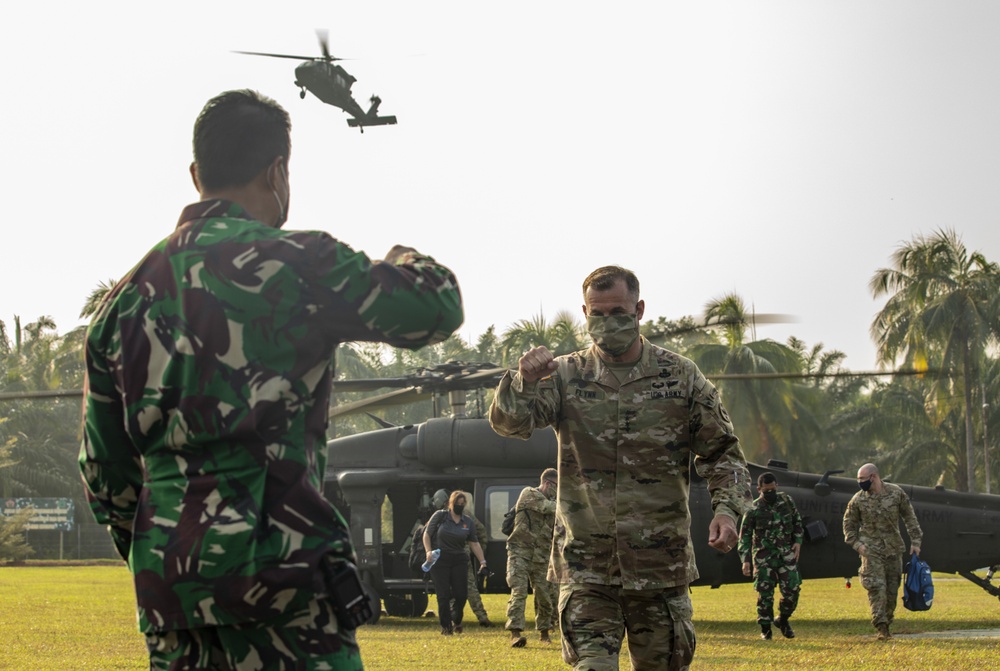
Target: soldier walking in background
point(475, 599)
point(529, 547)
point(770, 542)
point(871, 527)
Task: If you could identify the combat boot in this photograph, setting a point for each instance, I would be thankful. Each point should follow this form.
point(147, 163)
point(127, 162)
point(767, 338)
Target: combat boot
point(765, 632)
point(883, 632)
point(544, 638)
point(786, 629)
point(516, 640)
point(485, 623)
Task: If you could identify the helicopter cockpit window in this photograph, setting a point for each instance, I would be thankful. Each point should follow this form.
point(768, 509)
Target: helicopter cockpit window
point(499, 499)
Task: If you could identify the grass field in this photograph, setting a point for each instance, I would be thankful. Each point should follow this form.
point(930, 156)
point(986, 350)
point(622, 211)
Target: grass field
point(68, 618)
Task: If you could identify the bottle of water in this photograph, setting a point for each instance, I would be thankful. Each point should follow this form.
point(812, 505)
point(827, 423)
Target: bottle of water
point(431, 559)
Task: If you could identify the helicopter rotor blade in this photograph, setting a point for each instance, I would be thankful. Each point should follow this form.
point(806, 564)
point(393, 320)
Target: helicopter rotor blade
point(397, 397)
point(261, 53)
point(324, 44)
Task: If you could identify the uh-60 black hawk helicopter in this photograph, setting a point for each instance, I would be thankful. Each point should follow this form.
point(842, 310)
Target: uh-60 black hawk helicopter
point(331, 83)
point(382, 482)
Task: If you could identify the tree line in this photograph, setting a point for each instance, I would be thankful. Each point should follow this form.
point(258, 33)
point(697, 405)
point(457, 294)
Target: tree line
point(790, 400)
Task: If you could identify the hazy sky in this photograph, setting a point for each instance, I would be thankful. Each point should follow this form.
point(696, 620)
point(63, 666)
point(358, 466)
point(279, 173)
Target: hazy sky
point(781, 150)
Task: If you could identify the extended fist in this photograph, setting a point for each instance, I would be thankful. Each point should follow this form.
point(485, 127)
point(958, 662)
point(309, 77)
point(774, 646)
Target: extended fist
point(536, 363)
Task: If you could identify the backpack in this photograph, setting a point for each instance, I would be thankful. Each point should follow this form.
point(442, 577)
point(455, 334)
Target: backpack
point(918, 588)
point(507, 526)
point(417, 553)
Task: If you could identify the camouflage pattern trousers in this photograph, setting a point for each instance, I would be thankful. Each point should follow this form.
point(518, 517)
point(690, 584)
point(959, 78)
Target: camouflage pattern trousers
point(881, 577)
point(308, 640)
point(594, 619)
point(522, 572)
point(787, 580)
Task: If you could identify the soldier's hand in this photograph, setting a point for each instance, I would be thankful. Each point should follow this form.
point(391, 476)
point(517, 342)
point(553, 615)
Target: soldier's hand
point(796, 548)
point(536, 363)
point(746, 568)
point(398, 251)
point(914, 550)
point(863, 550)
point(722, 533)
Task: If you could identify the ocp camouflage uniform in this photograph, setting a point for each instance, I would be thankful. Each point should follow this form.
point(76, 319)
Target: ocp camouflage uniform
point(767, 535)
point(873, 520)
point(475, 600)
point(204, 447)
point(622, 528)
point(529, 548)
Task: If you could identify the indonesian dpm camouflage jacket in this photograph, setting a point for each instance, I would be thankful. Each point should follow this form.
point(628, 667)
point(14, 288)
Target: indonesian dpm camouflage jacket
point(532, 534)
point(768, 532)
point(622, 514)
point(873, 519)
point(205, 410)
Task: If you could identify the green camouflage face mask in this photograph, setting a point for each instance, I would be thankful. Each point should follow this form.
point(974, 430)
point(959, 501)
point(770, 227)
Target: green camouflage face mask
point(614, 334)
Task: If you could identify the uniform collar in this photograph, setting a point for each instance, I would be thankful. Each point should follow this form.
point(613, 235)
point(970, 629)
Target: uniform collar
point(215, 207)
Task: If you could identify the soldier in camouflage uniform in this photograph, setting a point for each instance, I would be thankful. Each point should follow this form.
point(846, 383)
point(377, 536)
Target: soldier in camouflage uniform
point(205, 410)
point(529, 547)
point(771, 536)
point(871, 527)
point(475, 599)
point(630, 417)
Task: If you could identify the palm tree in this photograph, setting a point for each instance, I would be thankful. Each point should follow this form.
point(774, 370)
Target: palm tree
point(763, 411)
point(943, 308)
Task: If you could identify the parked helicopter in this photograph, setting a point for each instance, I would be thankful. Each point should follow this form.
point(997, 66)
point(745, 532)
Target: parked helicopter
point(382, 482)
point(332, 84)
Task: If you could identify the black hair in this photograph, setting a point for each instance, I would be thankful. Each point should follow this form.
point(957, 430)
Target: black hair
point(604, 278)
point(237, 135)
point(766, 478)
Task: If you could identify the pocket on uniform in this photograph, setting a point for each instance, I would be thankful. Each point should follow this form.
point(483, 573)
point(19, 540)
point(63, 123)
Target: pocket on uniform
point(681, 612)
point(566, 635)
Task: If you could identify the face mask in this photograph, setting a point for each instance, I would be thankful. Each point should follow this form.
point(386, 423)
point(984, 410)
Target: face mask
point(458, 508)
point(282, 209)
point(866, 485)
point(771, 496)
point(614, 334)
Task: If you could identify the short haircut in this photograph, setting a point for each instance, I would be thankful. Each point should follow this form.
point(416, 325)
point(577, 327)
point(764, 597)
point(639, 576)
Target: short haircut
point(236, 136)
point(456, 495)
point(550, 474)
point(604, 278)
point(766, 478)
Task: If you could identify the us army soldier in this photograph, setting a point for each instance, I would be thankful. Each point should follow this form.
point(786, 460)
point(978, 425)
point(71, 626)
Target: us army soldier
point(871, 527)
point(770, 542)
point(630, 418)
point(528, 549)
point(475, 599)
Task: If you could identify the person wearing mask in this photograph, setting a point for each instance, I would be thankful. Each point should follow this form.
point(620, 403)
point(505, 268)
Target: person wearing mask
point(208, 379)
point(871, 527)
point(770, 542)
point(631, 420)
point(528, 548)
point(451, 531)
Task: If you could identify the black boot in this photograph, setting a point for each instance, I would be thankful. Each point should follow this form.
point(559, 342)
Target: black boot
point(765, 632)
point(786, 629)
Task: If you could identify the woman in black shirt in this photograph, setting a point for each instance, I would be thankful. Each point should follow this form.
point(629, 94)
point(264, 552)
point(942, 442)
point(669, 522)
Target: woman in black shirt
point(449, 530)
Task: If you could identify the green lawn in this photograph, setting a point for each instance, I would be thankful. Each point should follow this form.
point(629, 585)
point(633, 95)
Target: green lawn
point(62, 618)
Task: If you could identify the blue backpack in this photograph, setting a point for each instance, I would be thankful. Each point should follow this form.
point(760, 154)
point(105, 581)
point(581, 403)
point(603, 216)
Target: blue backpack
point(918, 589)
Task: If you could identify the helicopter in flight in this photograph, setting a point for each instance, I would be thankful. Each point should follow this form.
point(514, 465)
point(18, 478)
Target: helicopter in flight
point(331, 83)
point(382, 482)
